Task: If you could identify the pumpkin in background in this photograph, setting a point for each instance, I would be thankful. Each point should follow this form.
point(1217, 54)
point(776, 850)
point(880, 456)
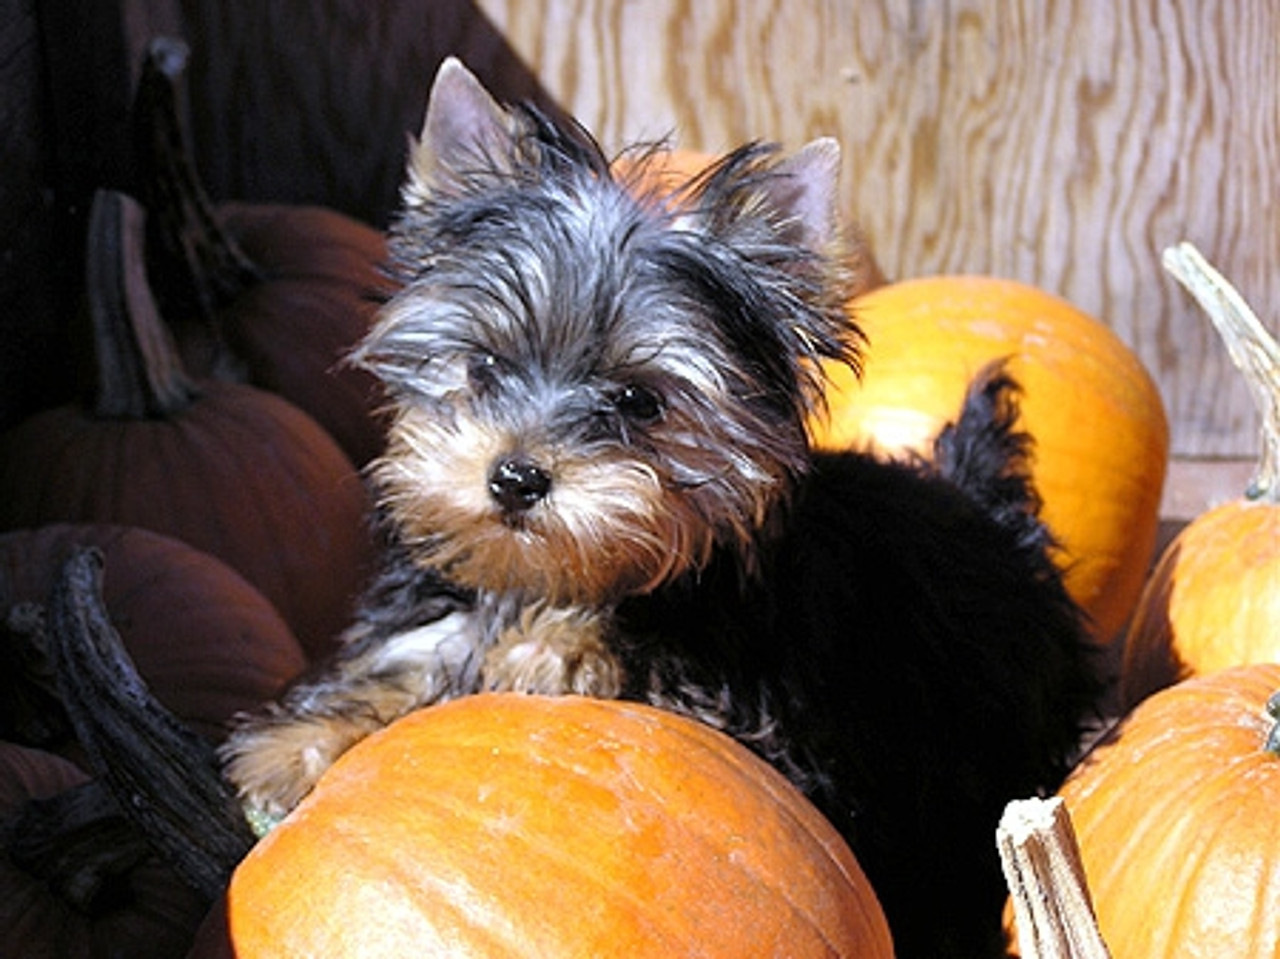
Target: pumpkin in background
point(662, 169)
point(1176, 818)
point(668, 170)
point(1100, 431)
point(1213, 599)
point(509, 825)
point(270, 294)
point(235, 471)
point(320, 279)
point(152, 914)
point(207, 643)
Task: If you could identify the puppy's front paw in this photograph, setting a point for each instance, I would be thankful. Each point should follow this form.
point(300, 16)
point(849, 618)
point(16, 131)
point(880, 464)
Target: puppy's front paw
point(553, 652)
point(274, 760)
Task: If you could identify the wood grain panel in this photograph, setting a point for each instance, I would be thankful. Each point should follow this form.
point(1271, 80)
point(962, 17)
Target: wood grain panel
point(1064, 144)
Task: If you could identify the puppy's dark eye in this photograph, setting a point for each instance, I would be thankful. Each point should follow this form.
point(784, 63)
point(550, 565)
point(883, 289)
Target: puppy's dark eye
point(482, 371)
point(638, 404)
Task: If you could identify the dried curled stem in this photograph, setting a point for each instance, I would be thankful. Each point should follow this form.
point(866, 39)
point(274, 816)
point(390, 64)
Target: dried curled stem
point(138, 370)
point(1272, 744)
point(1042, 867)
point(1253, 350)
point(197, 266)
point(163, 777)
point(78, 842)
point(186, 237)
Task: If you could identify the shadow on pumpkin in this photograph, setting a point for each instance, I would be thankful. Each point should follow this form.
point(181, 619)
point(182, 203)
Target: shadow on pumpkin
point(1150, 660)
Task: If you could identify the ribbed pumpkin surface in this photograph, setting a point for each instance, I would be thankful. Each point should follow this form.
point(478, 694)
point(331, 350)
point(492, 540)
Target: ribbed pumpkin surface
point(1212, 601)
point(241, 474)
point(322, 275)
point(207, 643)
point(505, 825)
point(1177, 824)
point(1214, 598)
point(1101, 435)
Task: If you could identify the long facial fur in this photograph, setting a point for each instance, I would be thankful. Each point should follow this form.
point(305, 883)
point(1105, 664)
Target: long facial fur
point(539, 295)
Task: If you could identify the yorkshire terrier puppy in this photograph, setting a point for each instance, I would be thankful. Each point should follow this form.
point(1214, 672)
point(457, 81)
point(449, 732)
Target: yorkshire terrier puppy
point(598, 481)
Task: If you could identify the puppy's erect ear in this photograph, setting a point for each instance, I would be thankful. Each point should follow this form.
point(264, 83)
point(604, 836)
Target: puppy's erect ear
point(465, 129)
point(804, 190)
point(793, 198)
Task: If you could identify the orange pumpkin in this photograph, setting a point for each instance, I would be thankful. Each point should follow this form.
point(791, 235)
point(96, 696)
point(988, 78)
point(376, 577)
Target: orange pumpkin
point(1213, 599)
point(1175, 816)
point(663, 169)
point(508, 825)
point(1101, 435)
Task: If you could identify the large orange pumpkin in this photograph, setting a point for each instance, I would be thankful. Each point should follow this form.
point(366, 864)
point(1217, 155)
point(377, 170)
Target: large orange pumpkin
point(508, 825)
point(1213, 599)
point(1175, 815)
point(1101, 435)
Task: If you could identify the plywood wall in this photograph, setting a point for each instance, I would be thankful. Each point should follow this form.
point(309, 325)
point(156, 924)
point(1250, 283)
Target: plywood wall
point(1062, 143)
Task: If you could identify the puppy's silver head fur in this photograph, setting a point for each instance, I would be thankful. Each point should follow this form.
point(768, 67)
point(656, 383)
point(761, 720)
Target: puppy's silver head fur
point(597, 381)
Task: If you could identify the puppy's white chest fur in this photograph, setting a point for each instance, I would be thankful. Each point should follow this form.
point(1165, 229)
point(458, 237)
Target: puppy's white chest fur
point(445, 655)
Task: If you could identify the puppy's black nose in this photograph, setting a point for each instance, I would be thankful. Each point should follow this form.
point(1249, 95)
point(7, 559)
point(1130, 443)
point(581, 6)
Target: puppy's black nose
point(518, 484)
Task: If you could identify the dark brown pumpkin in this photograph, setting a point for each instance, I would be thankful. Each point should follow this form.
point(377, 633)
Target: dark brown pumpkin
point(274, 295)
point(148, 914)
point(207, 643)
point(314, 300)
point(230, 469)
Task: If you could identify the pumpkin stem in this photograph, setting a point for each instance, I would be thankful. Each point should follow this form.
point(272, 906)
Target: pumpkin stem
point(1050, 896)
point(30, 711)
point(163, 777)
point(1272, 745)
point(139, 373)
point(1252, 348)
point(199, 266)
point(78, 843)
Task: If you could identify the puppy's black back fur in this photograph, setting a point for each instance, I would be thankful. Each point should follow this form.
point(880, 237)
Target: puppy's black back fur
point(908, 655)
